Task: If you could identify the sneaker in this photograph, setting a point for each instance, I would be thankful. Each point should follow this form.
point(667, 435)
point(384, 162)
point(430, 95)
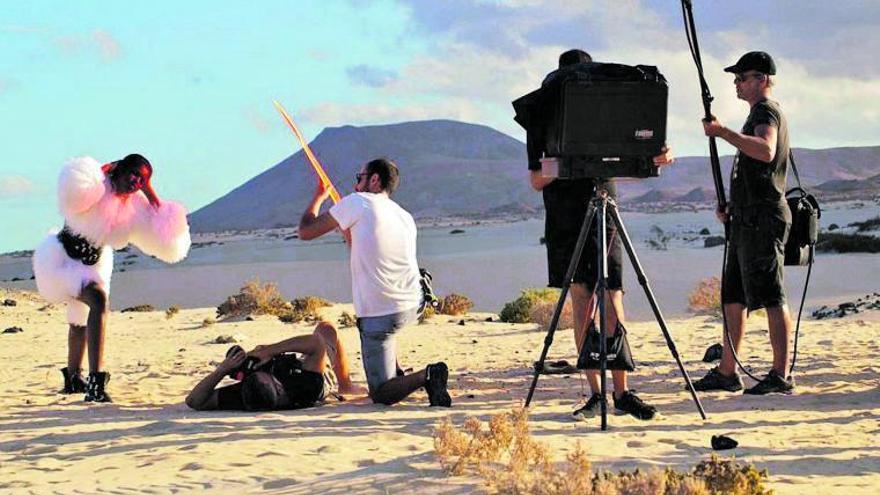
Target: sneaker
point(590, 409)
point(773, 383)
point(630, 403)
point(435, 384)
point(716, 380)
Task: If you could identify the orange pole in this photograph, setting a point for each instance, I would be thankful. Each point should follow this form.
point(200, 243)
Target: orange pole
point(334, 194)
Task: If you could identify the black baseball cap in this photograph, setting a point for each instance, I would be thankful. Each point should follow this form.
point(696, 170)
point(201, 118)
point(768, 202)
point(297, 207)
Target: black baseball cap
point(757, 61)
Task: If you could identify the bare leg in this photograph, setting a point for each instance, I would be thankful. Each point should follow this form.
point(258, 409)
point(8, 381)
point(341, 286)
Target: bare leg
point(96, 299)
point(736, 326)
point(338, 358)
point(779, 321)
point(580, 306)
point(399, 387)
point(76, 347)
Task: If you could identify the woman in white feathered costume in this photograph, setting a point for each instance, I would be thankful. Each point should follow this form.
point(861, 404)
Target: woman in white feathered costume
point(105, 207)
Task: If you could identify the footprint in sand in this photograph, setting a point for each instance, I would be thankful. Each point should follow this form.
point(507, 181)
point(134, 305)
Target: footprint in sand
point(328, 449)
point(270, 485)
point(271, 453)
point(192, 466)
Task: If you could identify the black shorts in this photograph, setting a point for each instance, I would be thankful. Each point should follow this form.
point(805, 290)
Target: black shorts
point(754, 274)
point(566, 204)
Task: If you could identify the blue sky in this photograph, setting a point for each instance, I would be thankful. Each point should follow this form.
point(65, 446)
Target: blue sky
point(189, 84)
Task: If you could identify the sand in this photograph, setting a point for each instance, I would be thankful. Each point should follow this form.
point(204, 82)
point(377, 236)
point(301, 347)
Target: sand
point(823, 439)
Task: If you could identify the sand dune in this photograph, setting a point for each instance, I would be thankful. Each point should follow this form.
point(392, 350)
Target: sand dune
point(823, 438)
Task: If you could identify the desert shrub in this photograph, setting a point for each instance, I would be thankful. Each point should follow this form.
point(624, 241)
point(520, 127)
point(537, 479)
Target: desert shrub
point(346, 320)
point(254, 298)
point(659, 239)
point(542, 314)
point(302, 309)
point(847, 243)
point(455, 304)
point(519, 310)
point(140, 308)
point(207, 322)
point(508, 460)
point(869, 224)
point(705, 298)
point(429, 313)
point(171, 311)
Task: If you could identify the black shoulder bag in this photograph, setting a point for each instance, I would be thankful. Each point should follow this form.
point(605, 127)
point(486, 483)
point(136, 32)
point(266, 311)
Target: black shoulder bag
point(805, 214)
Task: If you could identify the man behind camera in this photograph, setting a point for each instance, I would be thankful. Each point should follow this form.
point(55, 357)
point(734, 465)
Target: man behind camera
point(276, 378)
point(759, 223)
point(565, 202)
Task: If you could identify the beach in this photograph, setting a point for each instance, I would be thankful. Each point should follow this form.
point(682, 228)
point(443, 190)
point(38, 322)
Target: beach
point(822, 438)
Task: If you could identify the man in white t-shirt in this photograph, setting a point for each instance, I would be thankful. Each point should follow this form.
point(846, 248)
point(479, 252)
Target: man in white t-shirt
point(385, 278)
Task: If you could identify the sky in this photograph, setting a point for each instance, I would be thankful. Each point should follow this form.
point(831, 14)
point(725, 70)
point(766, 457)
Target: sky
point(190, 84)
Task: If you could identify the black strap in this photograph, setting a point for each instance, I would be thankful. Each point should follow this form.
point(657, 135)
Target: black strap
point(794, 168)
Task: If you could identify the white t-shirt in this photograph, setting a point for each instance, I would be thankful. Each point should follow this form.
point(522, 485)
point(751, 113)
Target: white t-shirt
point(384, 270)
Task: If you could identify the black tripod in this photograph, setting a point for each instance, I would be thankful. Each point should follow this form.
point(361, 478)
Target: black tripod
point(605, 206)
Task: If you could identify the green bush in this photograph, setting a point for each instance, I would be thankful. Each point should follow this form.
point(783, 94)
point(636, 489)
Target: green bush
point(518, 310)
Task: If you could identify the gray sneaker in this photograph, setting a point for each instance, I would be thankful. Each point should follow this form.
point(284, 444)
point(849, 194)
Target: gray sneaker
point(716, 380)
point(773, 383)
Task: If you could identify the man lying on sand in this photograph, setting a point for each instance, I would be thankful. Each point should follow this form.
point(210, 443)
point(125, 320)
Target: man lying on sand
point(386, 285)
point(276, 379)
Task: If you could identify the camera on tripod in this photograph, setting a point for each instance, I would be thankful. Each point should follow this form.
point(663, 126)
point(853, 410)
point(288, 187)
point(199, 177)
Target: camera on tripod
point(597, 120)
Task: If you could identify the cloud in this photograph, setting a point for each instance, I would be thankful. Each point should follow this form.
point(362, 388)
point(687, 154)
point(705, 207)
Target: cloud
point(367, 75)
point(15, 185)
point(99, 43)
point(480, 55)
point(334, 114)
point(107, 45)
point(257, 120)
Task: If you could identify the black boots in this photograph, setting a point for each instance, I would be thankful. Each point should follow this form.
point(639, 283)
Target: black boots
point(73, 382)
point(95, 387)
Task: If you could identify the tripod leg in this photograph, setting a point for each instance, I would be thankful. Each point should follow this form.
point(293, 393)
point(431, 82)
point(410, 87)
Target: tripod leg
point(643, 281)
point(601, 287)
point(569, 275)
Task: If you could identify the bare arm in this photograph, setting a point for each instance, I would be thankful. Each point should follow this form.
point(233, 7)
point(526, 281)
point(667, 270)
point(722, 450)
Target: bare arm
point(313, 225)
point(204, 396)
point(761, 146)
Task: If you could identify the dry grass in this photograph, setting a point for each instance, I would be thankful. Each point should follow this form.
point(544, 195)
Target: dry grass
point(172, 311)
point(140, 308)
point(705, 299)
point(542, 314)
point(255, 298)
point(346, 320)
point(207, 322)
point(508, 460)
point(455, 305)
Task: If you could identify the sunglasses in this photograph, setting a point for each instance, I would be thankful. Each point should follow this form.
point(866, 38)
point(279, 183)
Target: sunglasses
point(745, 77)
point(359, 176)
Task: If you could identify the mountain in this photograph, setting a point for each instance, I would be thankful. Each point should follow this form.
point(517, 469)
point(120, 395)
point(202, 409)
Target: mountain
point(451, 168)
point(447, 168)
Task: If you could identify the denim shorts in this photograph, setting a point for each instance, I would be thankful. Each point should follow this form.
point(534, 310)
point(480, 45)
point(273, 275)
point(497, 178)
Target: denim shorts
point(378, 346)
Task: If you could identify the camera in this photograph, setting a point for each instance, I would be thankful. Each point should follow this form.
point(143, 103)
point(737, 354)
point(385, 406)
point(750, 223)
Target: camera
point(597, 120)
point(246, 368)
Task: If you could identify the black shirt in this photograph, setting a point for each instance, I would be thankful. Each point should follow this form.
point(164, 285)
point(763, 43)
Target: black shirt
point(754, 183)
